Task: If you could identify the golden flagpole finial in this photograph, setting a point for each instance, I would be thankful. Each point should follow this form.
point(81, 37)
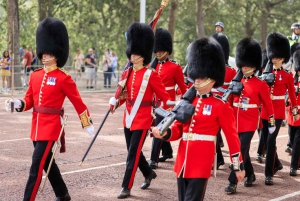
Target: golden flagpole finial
point(164, 3)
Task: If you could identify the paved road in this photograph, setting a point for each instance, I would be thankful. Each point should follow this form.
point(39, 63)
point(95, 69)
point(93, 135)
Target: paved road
point(100, 176)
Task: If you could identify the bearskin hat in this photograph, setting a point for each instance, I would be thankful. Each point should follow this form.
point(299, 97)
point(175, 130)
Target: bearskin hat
point(222, 39)
point(248, 53)
point(205, 59)
point(296, 58)
point(140, 41)
point(264, 58)
point(163, 41)
point(52, 38)
point(278, 46)
point(294, 48)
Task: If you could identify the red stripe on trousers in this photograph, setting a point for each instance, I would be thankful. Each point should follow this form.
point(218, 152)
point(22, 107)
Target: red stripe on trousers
point(137, 158)
point(40, 172)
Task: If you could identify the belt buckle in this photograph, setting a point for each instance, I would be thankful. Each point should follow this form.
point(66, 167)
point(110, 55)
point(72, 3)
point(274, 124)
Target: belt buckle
point(190, 136)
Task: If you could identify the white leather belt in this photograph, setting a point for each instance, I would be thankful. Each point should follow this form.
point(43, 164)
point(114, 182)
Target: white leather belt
point(226, 83)
point(170, 88)
point(214, 90)
point(195, 136)
point(277, 97)
point(242, 105)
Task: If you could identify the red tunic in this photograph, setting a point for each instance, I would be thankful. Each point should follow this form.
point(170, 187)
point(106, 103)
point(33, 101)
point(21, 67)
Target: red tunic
point(171, 74)
point(196, 157)
point(283, 81)
point(143, 117)
point(290, 116)
point(49, 89)
point(255, 92)
point(229, 75)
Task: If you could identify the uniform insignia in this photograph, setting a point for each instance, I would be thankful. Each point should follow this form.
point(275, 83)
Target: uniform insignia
point(63, 70)
point(173, 61)
point(207, 109)
point(280, 77)
point(51, 81)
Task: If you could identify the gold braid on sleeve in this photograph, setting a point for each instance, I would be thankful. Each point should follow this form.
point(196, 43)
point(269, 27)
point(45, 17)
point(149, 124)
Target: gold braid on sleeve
point(85, 119)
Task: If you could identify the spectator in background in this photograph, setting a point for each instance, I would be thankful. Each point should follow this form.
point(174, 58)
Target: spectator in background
point(22, 52)
point(96, 56)
point(107, 68)
point(219, 27)
point(26, 64)
point(69, 64)
point(114, 64)
point(79, 63)
point(90, 63)
point(5, 71)
point(33, 57)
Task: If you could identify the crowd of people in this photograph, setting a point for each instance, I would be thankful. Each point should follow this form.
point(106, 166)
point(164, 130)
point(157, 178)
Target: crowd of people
point(213, 97)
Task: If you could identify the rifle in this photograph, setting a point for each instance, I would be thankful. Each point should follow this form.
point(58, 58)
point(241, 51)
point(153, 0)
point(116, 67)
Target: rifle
point(267, 75)
point(235, 86)
point(182, 112)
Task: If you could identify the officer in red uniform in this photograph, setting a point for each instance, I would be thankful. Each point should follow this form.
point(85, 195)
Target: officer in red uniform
point(171, 74)
point(48, 87)
point(197, 136)
point(229, 75)
point(141, 85)
point(278, 51)
point(246, 105)
point(294, 126)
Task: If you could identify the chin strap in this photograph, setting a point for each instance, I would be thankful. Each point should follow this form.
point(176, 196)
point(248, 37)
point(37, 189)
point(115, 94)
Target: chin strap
point(207, 81)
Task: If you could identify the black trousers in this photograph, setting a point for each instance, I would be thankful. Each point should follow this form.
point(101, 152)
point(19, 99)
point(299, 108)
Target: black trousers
point(40, 160)
point(220, 157)
point(245, 139)
point(272, 160)
point(191, 189)
point(158, 144)
point(294, 132)
point(261, 144)
point(135, 158)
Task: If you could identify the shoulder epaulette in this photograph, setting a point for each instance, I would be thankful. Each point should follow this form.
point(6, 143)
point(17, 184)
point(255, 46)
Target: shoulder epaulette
point(38, 69)
point(217, 96)
point(173, 61)
point(286, 70)
point(63, 70)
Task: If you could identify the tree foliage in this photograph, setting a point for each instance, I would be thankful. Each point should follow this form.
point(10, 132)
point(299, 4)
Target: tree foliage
point(102, 23)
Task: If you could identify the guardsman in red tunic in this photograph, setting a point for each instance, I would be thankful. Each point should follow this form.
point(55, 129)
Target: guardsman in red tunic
point(47, 90)
point(196, 151)
point(141, 85)
point(246, 105)
point(171, 74)
point(278, 51)
point(294, 126)
point(229, 75)
point(261, 149)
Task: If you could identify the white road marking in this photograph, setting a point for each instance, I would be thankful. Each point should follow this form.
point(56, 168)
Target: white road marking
point(286, 196)
point(13, 140)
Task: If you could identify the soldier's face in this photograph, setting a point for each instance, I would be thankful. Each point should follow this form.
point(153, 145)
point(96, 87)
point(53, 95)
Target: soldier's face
point(247, 70)
point(136, 59)
point(161, 55)
point(48, 59)
point(297, 31)
point(277, 62)
point(204, 85)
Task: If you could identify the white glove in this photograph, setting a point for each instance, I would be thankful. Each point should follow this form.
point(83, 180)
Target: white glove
point(90, 129)
point(112, 103)
point(17, 104)
point(272, 129)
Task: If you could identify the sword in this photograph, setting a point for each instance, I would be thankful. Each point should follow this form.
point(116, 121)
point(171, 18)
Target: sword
point(94, 138)
point(57, 145)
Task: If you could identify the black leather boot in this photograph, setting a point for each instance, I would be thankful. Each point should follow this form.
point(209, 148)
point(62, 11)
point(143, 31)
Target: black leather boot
point(231, 188)
point(250, 180)
point(148, 179)
point(124, 193)
point(66, 197)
